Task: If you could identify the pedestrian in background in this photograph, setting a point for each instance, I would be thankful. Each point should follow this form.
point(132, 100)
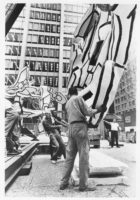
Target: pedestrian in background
point(13, 117)
point(78, 140)
point(57, 146)
point(114, 132)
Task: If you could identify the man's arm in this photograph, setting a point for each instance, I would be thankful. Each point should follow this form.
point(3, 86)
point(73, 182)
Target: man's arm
point(62, 122)
point(107, 122)
point(87, 111)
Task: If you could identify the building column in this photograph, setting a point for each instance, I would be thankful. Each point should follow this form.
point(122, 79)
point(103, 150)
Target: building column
point(25, 35)
point(61, 53)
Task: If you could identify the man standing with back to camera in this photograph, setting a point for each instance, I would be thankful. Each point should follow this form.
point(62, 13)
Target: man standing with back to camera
point(78, 141)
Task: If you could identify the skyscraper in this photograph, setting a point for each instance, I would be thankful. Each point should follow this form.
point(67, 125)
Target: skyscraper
point(41, 37)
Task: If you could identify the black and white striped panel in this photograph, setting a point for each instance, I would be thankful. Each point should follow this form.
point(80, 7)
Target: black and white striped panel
point(122, 28)
point(102, 92)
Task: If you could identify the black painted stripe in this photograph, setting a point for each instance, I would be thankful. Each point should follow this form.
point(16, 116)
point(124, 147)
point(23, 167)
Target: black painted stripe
point(99, 86)
point(119, 38)
point(118, 65)
point(130, 35)
point(107, 94)
point(90, 41)
point(89, 24)
point(82, 72)
point(108, 50)
point(112, 39)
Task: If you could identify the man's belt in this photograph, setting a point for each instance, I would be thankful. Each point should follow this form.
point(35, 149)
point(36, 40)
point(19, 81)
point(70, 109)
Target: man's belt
point(74, 122)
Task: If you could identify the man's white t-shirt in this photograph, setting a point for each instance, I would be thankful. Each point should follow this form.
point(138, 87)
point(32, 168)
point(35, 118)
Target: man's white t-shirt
point(114, 126)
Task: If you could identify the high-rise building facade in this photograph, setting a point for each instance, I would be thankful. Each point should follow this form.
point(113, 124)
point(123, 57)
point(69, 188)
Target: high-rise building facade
point(41, 37)
point(125, 100)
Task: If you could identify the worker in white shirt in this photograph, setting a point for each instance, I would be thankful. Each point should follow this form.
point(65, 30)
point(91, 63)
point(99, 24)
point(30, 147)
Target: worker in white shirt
point(114, 132)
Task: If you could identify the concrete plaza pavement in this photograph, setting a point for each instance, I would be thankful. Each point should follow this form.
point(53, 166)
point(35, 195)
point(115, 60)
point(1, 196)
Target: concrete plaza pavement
point(44, 178)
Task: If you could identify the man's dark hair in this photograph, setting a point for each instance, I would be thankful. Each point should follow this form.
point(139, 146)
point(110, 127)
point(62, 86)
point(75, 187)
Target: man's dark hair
point(73, 91)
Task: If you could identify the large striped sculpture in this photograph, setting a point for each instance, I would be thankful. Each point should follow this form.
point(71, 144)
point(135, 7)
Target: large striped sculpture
point(100, 58)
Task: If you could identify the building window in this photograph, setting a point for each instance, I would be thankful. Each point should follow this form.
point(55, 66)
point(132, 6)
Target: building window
point(67, 41)
point(16, 50)
point(10, 79)
point(37, 80)
point(11, 64)
point(133, 102)
point(18, 37)
point(49, 6)
point(41, 39)
point(69, 29)
point(34, 38)
point(47, 40)
point(40, 52)
point(29, 38)
point(28, 51)
point(38, 66)
point(58, 29)
point(51, 67)
point(56, 67)
point(44, 80)
point(55, 81)
point(48, 16)
point(32, 65)
point(58, 7)
point(43, 5)
point(53, 28)
point(37, 15)
point(64, 82)
point(66, 54)
point(54, 17)
point(45, 66)
point(51, 53)
point(72, 19)
point(36, 26)
point(56, 55)
point(47, 28)
point(42, 15)
point(15, 64)
point(45, 53)
point(57, 40)
point(54, 6)
point(66, 68)
point(9, 50)
point(32, 14)
point(14, 37)
point(34, 51)
point(19, 24)
point(52, 40)
point(31, 78)
point(38, 5)
point(42, 27)
point(58, 17)
point(50, 81)
point(30, 26)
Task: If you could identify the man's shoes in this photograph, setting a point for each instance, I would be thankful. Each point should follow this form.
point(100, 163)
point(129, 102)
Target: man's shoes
point(63, 186)
point(87, 189)
point(54, 161)
point(61, 160)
